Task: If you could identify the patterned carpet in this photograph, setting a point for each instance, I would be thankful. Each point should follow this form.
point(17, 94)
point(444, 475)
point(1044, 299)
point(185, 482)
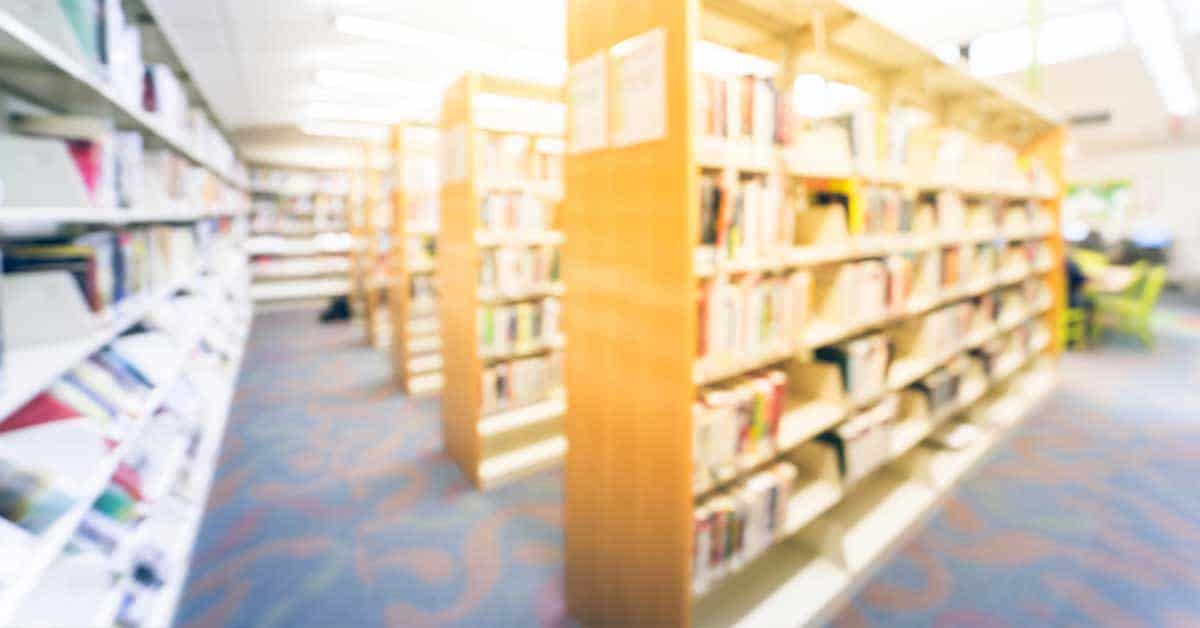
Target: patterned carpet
point(334, 506)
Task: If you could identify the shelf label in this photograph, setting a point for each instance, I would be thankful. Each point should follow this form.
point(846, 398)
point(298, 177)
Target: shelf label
point(587, 93)
point(454, 155)
point(639, 84)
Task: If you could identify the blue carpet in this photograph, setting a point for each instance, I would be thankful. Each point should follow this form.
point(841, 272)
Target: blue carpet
point(334, 506)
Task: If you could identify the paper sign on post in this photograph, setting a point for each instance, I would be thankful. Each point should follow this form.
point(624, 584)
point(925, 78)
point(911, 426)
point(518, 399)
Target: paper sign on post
point(587, 93)
point(454, 155)
point(639, 79)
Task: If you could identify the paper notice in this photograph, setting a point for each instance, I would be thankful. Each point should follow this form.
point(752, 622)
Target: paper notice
point(454, 155)
point(639, 80)
point(587, 94)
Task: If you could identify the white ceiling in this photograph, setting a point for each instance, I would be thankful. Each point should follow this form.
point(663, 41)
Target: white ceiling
point(256, 59)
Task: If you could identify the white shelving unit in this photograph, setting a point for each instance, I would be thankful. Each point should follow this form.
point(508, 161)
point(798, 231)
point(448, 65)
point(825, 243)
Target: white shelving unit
point(36, 70)
point(289, 246)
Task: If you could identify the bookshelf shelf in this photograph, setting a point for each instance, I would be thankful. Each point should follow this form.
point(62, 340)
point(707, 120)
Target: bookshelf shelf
point(501, 422)
point(187, 223)
point(862, 248)
point(101, 216)
point(874, 288)
point(43, 550)
point(412, 266)
point(42, 365)
point(41, 71)
point(501, 185)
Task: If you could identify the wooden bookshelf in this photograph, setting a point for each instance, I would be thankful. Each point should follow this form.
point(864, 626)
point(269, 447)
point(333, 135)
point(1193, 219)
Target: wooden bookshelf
point(632, 225)
point(416, 345)
point(479, 112)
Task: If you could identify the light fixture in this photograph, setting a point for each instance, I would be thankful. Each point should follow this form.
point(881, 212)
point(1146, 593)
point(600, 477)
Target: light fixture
point(464, 53)
point(1154, 33)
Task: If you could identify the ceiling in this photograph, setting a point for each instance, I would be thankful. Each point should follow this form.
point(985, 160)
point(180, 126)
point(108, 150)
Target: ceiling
point(256, 60)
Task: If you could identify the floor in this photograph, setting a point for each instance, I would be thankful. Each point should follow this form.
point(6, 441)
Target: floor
point(334, 506)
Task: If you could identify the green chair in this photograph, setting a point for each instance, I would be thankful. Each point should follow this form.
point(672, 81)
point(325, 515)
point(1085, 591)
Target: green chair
point(1090, 262)
point(1129, 311)
point(1075, 328)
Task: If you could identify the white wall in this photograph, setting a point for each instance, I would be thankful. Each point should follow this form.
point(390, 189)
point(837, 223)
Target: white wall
point(1166, 183)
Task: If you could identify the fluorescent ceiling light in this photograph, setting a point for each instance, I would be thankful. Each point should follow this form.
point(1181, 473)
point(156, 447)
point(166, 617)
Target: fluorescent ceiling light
point(368, 83)
point(1154, 33)
point(467, 54)
point(344, 130)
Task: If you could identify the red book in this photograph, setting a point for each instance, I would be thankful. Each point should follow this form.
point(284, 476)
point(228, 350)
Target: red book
point(88, 159)
point(44, 408)
point(128, 479)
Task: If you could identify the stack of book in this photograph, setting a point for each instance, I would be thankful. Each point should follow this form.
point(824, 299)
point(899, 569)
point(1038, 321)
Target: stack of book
point(519, 328)
point(110, 266)
point(735, 526)
point(752, 316)
point(515, 270)
point(95, 165)
point(521, 382)
point(737, 425)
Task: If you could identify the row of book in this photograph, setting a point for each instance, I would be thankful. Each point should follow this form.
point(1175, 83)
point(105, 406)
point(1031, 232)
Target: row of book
point(515, 211)
point(99, 35)
point(743, 107)
point(81, 161)
point(136, 522)
point(97, 400)
point(735, 525)
point(744, 217)
point(515, 270)
point(299, 184)
point(740, 421)
point(112, 265)
point(508, 329)
point(755, 315)
point(753, 217)
point(520, 383)
point(747, 110)
point(520, 157)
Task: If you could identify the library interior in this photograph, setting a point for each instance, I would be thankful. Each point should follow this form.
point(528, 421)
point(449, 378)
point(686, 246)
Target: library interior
point(599, 313)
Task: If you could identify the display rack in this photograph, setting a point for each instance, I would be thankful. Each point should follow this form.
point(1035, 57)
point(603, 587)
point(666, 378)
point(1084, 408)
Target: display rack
point(416, 344)
point(502, 402)
point(166, 288)
point(301, 245)
point(762, 409)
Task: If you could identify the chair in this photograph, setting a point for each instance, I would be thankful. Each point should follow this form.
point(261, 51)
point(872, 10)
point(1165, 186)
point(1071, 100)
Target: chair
point(1129, 311)
point(1090, 262)
point(1075, 327)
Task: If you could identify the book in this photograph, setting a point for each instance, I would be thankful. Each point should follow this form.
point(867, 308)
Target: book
point(46, 407)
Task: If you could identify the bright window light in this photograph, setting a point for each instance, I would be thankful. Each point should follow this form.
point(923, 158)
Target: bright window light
point(1083, 35)
point(474, 55)
point(1061, 39)
point(1154, 33)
